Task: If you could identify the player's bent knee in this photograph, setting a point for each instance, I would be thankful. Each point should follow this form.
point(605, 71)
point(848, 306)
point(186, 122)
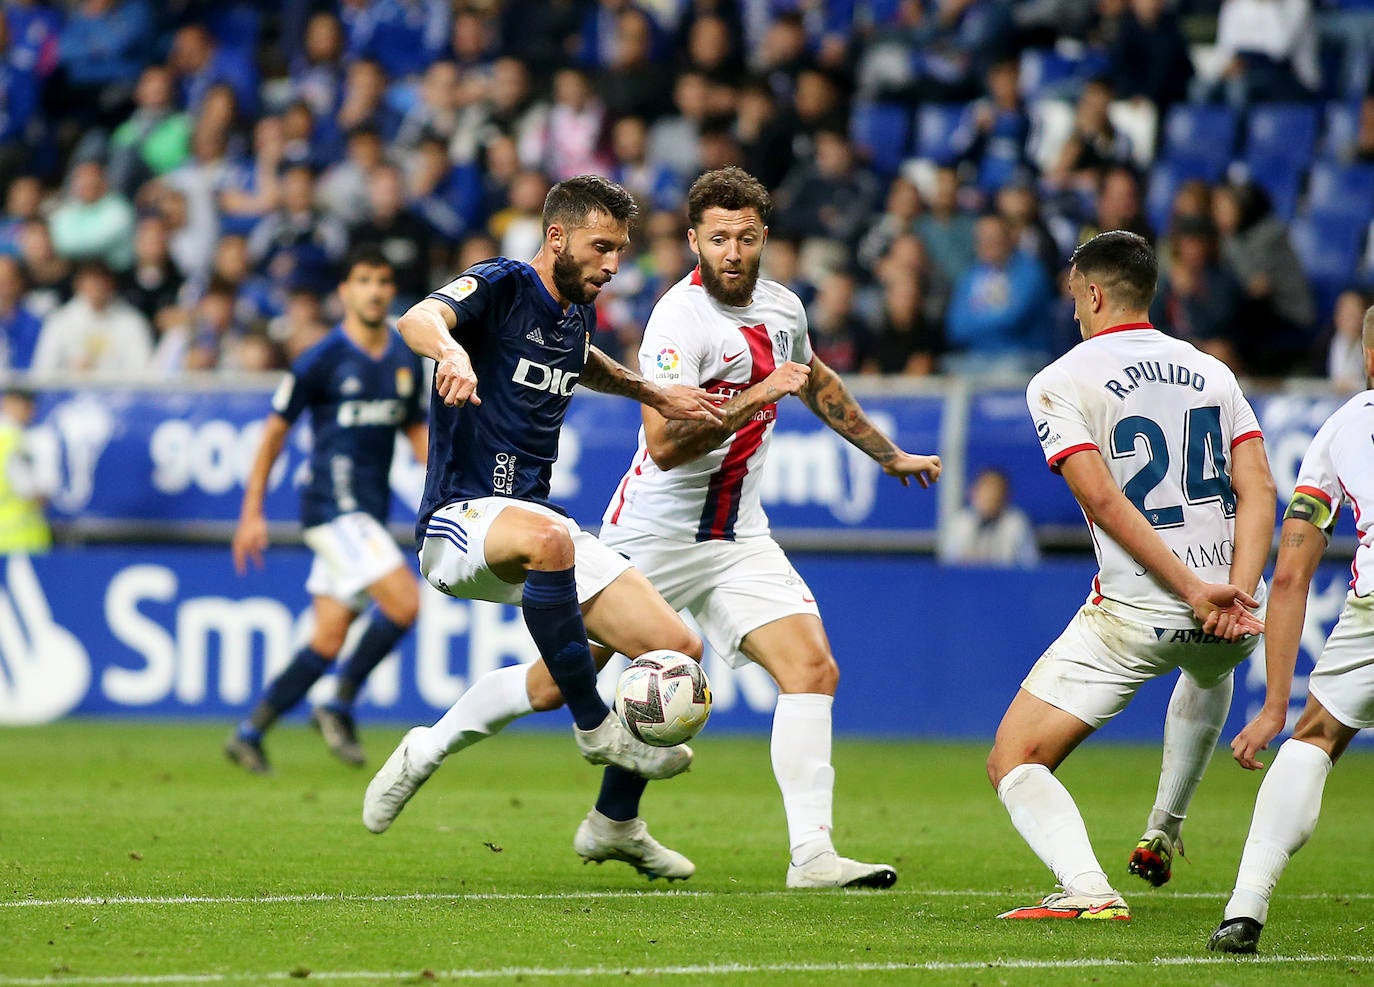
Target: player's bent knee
point(549, 546)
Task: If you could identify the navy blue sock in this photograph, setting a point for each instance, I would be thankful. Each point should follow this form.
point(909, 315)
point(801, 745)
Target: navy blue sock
point(290, 686)
point(555, 622)
point(620, 794)
point(376, 642)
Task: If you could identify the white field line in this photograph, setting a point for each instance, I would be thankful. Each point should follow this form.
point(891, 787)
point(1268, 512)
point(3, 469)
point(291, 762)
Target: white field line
point(707, 969)
point(646, 896)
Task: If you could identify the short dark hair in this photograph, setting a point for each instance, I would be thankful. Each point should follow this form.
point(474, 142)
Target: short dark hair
point(365, 255)
point(572, 202)
point(1123, 262)
point(727, 188)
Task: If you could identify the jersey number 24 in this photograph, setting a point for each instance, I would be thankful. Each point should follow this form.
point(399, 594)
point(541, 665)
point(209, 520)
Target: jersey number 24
point(1204, 464)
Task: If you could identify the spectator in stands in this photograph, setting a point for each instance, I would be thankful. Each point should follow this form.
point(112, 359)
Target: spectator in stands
point(47, 272)
point(297, 239)
point(101, 49)
point(954, 43)
point(97, 332)
point(1118, 205)
point(1361, 148)
point(153, 284)
point(23, 202)
point(310, 141)
point(155, 139)
point(248, 188)
point(91, 221)
point(343, 186)
point(900, 211)
point(782, 263)
point(200, 63)
point(364, 102)
point(946, 229)
point(991, 135)
point(510, 109)
point(198, 182)
point(317, 72)
point(1094, 144)
point(19, 327)
point(1268, 49)
point(1019, 205)
point(1277, 309)
point(300, 326)
point(634, 83)
point(834, 323)
point(403, 238)
point(519, 227)
point(472, 50)
point(903, 340)
point(656, 186)
point(998, 315)
point(675, 140)
point(712, 47)
point(782, 53)
point(1199, 300)
point(991, 530)
point(436, 112)
point(830, 197)
point(449, 198)
point(402, 36)
point(23, 489)
point(1345, 351)
point(908, 260)
point(764, 140)
point(200, 340)
point(1149, 58)
point(573, 144)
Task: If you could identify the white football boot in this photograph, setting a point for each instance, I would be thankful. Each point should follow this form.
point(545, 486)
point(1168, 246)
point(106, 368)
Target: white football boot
point(611, 743)
point(391, 788)
point(600, 839)
point(830, 870)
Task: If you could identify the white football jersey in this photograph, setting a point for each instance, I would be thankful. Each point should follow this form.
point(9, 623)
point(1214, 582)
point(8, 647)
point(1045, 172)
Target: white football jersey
point(1165, 418)
point(692, 339)
point(1339, 469)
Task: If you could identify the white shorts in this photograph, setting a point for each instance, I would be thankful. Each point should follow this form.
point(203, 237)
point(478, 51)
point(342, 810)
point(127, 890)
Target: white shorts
point(352, 552)
point(1343, 680)
point(453, 554)
point(1094, 668)
point(730, 587)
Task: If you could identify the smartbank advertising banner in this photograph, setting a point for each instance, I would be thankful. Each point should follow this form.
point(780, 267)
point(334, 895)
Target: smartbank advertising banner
point(172, 458)
point(175, 457)
point(172, 632)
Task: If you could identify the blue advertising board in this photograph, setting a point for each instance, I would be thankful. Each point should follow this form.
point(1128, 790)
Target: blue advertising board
point(924, 650)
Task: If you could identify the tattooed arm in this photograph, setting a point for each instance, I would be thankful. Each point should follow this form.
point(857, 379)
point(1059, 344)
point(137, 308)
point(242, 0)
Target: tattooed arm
point(672, 443)
point(826, 395)
point(676, 402)
point(1301, 545)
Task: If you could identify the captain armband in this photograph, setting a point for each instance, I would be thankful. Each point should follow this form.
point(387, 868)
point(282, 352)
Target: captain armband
point(1305, 507)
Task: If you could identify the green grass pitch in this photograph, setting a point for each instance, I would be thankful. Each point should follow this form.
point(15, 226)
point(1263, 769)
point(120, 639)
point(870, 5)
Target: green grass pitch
point(135, 854)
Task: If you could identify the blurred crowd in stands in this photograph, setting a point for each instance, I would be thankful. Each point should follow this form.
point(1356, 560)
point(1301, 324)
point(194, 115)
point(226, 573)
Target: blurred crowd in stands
point(180, 179)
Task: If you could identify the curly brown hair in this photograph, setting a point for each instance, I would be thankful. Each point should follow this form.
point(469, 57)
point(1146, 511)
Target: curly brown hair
point(727, 188)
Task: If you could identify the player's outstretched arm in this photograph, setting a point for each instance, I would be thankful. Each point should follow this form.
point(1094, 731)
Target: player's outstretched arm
point(826, 395)
point(250, 535)
point(1301, 544)
point(676, 402)
point(1222, 608)
point(672, 443)
point(1256, 500)
point(427, 327)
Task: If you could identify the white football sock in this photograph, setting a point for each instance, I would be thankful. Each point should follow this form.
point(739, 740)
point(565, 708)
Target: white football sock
point(487, 707)
point(1286, 811)
point(801, 763)
point(1044, 813)
point(1191, 728)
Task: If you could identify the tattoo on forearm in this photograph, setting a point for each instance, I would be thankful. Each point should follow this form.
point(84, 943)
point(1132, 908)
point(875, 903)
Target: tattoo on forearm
point(605, 376)
point(827, 396)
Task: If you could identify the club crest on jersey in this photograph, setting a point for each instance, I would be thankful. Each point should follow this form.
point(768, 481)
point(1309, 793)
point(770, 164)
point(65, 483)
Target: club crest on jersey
point(351, 385)
point(405, 382)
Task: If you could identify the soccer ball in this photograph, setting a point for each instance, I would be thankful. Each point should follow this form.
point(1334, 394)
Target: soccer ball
point(663, 698)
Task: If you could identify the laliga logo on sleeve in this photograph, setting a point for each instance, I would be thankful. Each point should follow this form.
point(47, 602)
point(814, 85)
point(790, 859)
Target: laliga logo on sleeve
point(44, 669)
point(666, 365)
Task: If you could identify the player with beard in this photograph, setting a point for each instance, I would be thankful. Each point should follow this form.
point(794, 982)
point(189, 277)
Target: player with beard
point(688, 513)
point(488, 531)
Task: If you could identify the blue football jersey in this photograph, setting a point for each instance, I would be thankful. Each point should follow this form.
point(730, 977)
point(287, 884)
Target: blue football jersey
point(357, 404)
point(528, 355)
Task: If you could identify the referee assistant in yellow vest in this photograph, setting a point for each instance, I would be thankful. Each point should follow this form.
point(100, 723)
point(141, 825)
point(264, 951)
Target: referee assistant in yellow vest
point(23, 528)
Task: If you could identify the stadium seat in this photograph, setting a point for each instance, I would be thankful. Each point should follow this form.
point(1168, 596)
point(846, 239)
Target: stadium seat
point(1200, 140)
point(935, 125)
point(1328, 247)
point(1333, 189)
point(1339, 128)
point(1163, 182)
point(881, 131)
point(1282, 180)
point(1280, 132)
